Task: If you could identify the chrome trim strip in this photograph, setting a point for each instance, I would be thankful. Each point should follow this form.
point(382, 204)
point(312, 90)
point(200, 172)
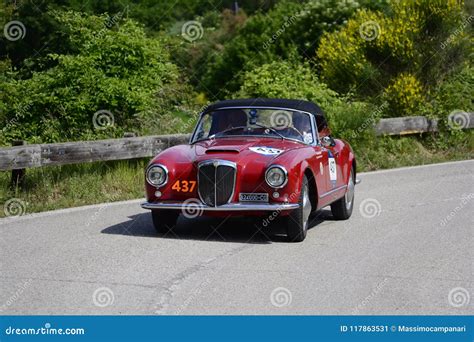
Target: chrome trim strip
point(219, 162)
point(254, 136)
point(166, 179)
point(265, 107)
point(315, 131)
point(224, 207)
point(333, 190)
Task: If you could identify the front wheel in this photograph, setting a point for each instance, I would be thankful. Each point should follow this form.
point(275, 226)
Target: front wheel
point(342, 208)
point(164, 220)
point(297, 221)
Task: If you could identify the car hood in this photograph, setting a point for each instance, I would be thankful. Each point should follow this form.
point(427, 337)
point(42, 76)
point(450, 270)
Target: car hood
point(244, 148)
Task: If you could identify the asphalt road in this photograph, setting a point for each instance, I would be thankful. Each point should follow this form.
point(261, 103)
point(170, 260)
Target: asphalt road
point(407, 249)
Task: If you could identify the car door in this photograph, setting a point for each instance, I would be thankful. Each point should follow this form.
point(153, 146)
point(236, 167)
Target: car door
point(321, 168)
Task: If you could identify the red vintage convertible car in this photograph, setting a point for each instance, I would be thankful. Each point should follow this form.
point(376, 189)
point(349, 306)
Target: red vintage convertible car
point(254, 157)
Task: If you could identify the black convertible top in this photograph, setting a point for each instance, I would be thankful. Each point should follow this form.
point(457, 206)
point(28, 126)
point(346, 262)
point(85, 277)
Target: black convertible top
point(301, 105)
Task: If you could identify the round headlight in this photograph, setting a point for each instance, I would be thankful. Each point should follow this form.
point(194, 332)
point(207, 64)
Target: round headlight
point(276, 176)
point(157, 175)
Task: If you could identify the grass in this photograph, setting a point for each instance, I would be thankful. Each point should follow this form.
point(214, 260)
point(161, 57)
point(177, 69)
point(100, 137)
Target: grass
point(67, 186)
point(58, 187)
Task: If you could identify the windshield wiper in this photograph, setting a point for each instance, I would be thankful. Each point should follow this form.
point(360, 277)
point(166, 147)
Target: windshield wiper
point(271, 129)
point(243, 127)
point(230, 130)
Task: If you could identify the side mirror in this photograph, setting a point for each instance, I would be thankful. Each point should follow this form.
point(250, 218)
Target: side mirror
point(327, 141)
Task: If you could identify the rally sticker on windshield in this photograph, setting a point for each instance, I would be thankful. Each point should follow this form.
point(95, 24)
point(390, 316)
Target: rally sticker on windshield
point(268, 151)
point(332, 168)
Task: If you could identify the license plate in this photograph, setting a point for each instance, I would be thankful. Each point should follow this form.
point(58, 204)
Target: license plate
point(255, 197)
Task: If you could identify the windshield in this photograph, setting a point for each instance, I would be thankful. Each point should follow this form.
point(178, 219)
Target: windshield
point(275, 123)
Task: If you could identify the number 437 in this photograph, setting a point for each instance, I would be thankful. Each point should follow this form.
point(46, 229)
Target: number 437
point(184, 186)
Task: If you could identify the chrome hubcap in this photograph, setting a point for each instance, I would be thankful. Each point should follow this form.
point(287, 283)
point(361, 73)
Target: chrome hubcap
point(306, 206)
point(350, 192)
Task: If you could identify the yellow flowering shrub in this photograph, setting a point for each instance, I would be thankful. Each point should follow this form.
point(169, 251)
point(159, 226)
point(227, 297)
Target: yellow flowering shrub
point(401, 32)
point(375, 50)
point(341, 54)
point(404, 95)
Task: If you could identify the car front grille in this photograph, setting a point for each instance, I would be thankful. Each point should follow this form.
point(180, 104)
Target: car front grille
point(216, 181)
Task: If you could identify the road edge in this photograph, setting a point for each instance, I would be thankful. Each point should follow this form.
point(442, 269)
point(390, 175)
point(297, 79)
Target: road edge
point(5, 220)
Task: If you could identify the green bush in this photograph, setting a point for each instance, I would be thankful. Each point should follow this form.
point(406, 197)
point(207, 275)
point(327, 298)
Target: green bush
point(455, 92)
point(116, 68)
point(347, 119)
point(291, 30)
point(285, 79)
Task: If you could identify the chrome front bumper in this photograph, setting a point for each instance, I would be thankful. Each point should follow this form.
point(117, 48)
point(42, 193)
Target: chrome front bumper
point(224, 207)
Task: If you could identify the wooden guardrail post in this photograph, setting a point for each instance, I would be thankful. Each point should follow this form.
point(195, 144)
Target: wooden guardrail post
point(39, 155)
point(18, 175)
point(406, 125)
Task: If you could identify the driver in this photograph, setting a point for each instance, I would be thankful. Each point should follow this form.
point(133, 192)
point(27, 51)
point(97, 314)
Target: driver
point(226, 119)
point(302, 123)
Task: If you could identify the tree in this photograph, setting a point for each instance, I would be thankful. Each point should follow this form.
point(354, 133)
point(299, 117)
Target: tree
point(116, 69)
point(291, 30)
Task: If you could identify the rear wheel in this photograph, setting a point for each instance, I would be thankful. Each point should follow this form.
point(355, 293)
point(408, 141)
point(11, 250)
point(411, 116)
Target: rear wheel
point(297, 221)
point(164, 220)
point(342, 208)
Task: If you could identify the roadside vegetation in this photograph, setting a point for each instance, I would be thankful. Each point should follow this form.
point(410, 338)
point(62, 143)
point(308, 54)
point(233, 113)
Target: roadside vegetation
point(150, 68)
